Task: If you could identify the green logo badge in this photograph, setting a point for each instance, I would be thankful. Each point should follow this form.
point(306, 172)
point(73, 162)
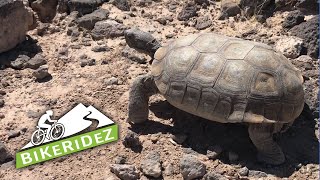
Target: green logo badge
point(69, 134)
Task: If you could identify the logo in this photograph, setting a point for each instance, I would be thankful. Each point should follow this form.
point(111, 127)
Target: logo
point(67, 135)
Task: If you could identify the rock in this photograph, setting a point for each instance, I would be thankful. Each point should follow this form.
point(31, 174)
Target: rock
point(1, 103)
point(24, 129)
point(63, 51)
point(257, 174)
point(2, 116)
point(13, 134)
point(107, 29)
point(244, 171)
point(43, 29)
point(201, 2)
point(260, 18)
point(232, 156)
point(293, 18)
point(2, 92)
point(89, 20)
point(257, 7)
point(203, 23)
point(73, 31)
point(20, 62)
point(168, 170)
point(308, 31)
point(121, 4)
point(150, 165)
point(87, 62)
point(191, 167)
point(5, 156)
point(289, 46)
point(179, 138)
point(133, 55)
point(214, 151)
point(187, 12)
point(162, 20)
point(100, 48)
point(46, 9)
point(83, 6)
point(124, 171)
point(41, 72)
point(35, 62)
point(214, 176)
point(62, 6)
point(229, 8)
point(111, 81)
point(15, 21)
point(131, 140)
point(120, 160)
point(308, 5)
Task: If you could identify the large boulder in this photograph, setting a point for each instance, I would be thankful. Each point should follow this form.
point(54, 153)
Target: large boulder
point(46, 9)
point(15, 21)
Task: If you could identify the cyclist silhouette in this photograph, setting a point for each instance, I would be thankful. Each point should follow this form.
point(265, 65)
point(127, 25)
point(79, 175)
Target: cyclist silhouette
point(52, 131)
point(42, 121)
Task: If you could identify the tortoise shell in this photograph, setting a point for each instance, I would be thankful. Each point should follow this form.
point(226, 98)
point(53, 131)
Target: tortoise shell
point(225, 79)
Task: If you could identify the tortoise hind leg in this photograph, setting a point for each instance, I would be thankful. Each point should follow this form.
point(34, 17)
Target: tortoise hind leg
point(142, 88)
point(268, 150)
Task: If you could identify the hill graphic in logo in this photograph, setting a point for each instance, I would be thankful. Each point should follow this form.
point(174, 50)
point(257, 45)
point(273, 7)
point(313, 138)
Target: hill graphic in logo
point(69, 134)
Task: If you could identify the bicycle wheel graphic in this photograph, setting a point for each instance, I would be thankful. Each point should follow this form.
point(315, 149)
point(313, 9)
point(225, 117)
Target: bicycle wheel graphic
point(38, 137)
point(57, 131)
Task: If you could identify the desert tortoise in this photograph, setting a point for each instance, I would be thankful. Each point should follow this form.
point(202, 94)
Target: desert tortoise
point(222, 79)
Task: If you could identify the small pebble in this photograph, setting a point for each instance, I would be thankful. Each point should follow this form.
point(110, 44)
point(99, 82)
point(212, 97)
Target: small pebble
point(13, 134)
point(214, 151)
point(120, 160)
point(112, 81)
point(2, 92)
point(244, 171)
point(1, 103)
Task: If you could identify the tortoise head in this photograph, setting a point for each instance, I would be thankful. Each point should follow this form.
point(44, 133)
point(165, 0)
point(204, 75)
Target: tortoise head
point(141, 41)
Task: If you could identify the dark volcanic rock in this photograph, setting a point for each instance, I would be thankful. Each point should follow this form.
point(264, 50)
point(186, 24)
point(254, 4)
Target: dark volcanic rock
point(123, 5)
point(89, 20)
point(229, 8)
point(203, 23)
point(188, 11)
point(83, 6)
point(5, 156)
point(41, 72)
point(309, 32)
point(308, 5)
point(107, 29)
point(125, 171)
point(214, 176)
point(150, 165)
point(20, 62)
point(131, 140)
point(293, 18)
point(46, 9)
point(35, 62)
point(191, 167)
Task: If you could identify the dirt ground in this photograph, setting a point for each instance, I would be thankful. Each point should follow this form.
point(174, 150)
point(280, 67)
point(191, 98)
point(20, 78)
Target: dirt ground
point(27, 99)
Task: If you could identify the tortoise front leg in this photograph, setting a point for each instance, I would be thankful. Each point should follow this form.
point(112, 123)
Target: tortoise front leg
point(268, 150)
point(142, 88)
